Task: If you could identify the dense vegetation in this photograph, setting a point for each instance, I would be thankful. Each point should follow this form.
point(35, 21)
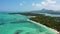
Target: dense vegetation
point(52, 22)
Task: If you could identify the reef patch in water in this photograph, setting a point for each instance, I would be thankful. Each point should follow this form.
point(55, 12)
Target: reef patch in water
point(18, 31)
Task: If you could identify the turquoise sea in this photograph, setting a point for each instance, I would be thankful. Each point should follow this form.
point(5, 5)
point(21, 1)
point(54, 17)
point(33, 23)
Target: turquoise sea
point(18, 24)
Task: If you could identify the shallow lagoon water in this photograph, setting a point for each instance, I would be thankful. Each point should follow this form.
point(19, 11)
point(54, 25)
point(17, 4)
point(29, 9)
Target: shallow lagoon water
point(18, 24)
point(52, 15)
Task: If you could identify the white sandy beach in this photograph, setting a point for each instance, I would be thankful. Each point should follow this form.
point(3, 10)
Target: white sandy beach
point(44, 26)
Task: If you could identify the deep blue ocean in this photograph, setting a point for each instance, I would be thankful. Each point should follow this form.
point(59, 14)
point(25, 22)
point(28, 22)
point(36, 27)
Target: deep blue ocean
point(18, 24)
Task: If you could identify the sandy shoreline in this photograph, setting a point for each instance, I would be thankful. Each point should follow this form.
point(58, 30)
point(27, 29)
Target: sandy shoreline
point(44, 26)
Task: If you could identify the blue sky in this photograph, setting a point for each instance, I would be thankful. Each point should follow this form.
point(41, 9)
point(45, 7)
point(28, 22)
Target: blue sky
point(29, 5)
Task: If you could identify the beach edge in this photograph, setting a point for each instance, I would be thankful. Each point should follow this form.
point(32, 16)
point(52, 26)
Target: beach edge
point(43, 26)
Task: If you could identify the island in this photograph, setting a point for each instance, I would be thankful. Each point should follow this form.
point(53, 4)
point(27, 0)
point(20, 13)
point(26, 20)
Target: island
point(51, 22)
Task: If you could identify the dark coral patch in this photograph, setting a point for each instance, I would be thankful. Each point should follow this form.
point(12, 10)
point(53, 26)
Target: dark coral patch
point(18, 31)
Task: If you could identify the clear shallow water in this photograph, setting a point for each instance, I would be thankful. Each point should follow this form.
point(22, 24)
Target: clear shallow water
point(18, 24)
point(52, 15)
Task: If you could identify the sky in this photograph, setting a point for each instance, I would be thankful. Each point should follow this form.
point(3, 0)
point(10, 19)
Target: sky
point(29, 5)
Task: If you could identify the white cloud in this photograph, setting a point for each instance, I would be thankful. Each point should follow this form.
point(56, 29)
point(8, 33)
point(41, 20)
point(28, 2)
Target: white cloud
point(55, 7)
point(33, 4)
point(38, 5)
point(51, 1)
point(21, 4)
point(49, 4)
point(44, 3)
